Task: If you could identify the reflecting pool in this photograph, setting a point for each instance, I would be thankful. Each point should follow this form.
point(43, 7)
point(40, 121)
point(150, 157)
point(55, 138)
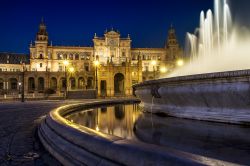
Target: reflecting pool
point(116, 120)
point(215, 140)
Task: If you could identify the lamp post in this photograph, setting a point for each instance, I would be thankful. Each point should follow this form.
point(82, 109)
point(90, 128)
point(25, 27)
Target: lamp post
point(153, 63)
point(66, 63)
point(19, 89)
point(96, 63)
point(22, 99)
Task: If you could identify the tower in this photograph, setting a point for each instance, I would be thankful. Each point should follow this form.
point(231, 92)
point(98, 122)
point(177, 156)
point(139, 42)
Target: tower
point(172, 44)
point(42, 34)
point(39, 52)
point(41, 42)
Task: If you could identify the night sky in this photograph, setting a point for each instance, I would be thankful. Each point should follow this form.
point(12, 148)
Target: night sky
point(74, 22)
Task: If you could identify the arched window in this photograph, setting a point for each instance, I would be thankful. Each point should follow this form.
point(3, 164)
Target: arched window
point(1, 84)
point(76, 56)
point(71, 56)
point(63, 83)
point(31, 84)
point(40, 84)
point(81, 83)
point(53, 83)
point(13, 83)
point(72, 83)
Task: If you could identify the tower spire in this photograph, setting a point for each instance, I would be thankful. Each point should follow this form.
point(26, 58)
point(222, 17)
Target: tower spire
point(42, 34)
point(42, 20)
point(171, 39)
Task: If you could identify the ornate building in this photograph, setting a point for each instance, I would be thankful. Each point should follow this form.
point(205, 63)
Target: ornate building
point(117, 65)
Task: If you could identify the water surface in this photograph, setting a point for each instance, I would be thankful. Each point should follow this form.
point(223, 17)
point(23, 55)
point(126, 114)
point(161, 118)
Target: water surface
point(215, 140)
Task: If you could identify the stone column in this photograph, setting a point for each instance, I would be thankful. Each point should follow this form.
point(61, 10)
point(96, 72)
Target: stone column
point(58, 92)
point(76, 83)
point(36, 87)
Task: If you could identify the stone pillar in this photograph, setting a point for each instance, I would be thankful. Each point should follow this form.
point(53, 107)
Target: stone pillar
point(26, 82)
point(36, 87)
point(99, 86)
point(58, 92)
point(76, 83)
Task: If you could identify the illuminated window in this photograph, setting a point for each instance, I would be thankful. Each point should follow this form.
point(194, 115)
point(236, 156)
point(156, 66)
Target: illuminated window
point(71, 56)
point(123, 54)
point(86, 66)
point(82, 57)
point(59, 56)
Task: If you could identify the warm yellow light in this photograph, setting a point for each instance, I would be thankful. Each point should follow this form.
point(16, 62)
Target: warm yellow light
point(97, 128)
point(71, 70)
point(163, 69)
point(66, 63)
point(180, 62)
point(153, 62)
point(96, 63)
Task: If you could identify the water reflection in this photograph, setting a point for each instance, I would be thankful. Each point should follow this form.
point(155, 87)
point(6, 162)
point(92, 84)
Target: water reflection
point(116, 120)
point(216, 140)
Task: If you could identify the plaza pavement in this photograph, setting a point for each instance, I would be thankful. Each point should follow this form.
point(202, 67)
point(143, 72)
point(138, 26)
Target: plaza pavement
point(19, 144)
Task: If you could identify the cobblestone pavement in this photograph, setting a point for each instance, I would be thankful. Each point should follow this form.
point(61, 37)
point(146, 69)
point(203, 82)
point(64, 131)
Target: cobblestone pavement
point(19, 143)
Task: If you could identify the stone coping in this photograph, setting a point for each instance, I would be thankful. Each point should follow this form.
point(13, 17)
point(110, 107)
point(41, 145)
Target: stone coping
point(197, 77)
point(72, 144)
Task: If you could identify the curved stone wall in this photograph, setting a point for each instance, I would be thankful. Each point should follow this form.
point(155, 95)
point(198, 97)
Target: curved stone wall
point(77, 145)
point(220, 97)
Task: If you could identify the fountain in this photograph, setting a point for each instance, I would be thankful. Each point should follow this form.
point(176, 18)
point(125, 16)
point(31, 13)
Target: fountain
point(214, 85)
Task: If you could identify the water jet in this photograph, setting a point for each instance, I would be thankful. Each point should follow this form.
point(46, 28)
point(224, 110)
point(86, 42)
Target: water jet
point(215, 84)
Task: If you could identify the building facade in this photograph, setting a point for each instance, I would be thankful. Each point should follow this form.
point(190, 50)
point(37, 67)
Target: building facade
point(112, 66)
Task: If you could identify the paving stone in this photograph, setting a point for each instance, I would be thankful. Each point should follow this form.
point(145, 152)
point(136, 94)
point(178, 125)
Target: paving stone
point(19, 144)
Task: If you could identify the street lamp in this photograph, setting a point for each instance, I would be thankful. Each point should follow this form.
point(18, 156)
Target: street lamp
point(96, 63)
point(71, 69)
point(180, 62)
point(66, 63)
point(19, 89)
point(163, 69)
point(153, 63)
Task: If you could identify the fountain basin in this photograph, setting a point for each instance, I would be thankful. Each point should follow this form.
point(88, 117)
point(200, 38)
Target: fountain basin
point(219, 97)
point(73, 144)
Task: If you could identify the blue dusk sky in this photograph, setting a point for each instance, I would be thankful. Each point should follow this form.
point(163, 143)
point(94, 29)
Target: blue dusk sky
point(74, 22)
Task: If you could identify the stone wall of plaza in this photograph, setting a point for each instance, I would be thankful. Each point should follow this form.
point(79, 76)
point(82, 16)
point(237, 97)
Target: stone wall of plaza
point(120, 66)
point(36, 83)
